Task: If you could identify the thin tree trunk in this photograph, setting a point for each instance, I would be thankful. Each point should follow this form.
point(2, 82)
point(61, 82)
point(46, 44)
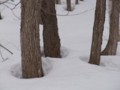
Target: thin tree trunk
point(76, 1)
point(111, 47)
point(69, 8)
point(50, 29)
point(0, 16)
point(29, 34)
point(98, 32)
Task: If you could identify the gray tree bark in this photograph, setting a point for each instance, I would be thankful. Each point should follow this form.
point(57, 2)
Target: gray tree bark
point(29, 35)
point(97, 32)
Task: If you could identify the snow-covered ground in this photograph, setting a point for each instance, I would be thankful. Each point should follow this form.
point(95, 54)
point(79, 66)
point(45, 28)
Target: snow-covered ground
point(72, 71)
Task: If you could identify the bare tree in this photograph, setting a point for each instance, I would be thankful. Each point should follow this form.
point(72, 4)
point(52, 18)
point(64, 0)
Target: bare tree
point(111, 46)
point(29, 34)
point(69, 7)
point(50, 29)
point(97, 32)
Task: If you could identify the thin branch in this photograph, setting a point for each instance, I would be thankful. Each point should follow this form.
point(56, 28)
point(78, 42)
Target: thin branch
point(4, 59)
point(16, 5)
point(15, 15)
point(6, 49)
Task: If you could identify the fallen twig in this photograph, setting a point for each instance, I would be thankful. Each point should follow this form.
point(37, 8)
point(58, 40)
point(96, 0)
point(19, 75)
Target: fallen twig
point(6, 49)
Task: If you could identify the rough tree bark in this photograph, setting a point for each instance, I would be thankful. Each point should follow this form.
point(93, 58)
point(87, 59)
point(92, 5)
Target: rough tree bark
point(50, 29)
point(111, 46)
point(97, 32)
point(29, 34)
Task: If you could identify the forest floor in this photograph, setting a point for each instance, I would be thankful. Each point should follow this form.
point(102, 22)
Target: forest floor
point(72, 71)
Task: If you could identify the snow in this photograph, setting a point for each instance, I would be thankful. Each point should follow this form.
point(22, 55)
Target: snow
point(72, 71)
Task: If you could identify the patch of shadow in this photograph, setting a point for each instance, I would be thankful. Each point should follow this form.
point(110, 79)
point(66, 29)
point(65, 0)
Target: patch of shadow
point(16, 70)
point(84, 58)
point(47, 66)
point(64, 52)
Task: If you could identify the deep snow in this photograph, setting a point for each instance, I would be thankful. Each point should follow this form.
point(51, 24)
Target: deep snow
point(72, 71)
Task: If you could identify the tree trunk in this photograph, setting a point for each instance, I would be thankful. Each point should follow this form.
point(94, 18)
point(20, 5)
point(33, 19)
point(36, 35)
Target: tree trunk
point(119, 22)
point(111, 46)
point(58, 1)
point(29, 34)
point(76, 1)
point(50, 29)
point(0, 16)
point(69, 8)
point(98, 32)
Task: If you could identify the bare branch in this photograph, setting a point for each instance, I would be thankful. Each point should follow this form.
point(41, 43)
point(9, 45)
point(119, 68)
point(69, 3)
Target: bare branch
point(6, 49)
point(4, 59)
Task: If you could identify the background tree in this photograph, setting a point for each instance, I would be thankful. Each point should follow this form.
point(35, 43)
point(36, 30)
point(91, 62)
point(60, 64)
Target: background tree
point(29, 34)
point(58, 1)
point(0, 16)
point(97, 32)
point(69, 7)
point(76, 1)
point(50, 29)
point(111, 47)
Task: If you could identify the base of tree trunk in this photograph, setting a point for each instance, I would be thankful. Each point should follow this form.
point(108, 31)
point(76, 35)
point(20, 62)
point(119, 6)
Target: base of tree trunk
point(104, 52)
point(95, 63)
point(0, 16)
point(108, 52)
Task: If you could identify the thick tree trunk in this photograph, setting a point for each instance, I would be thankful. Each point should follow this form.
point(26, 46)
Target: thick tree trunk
point(29, 34)
point(69, 8)
point(111, 46)
point(98, 32)
point(50, 29)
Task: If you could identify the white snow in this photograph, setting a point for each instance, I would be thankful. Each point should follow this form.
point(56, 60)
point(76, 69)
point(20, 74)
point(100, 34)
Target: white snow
point(72, 71)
